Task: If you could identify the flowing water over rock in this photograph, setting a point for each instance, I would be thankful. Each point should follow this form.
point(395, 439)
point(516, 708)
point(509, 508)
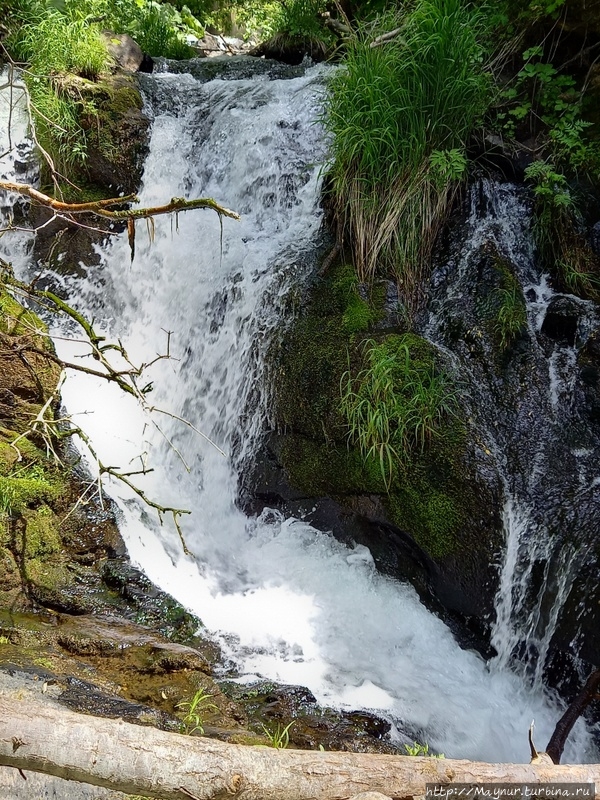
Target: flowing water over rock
point(286, 601)
point(535, 416)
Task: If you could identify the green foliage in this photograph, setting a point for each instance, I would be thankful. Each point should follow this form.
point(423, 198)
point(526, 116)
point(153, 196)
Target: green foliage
point(301, 18)
point(547, 100)
point(279, 738)
point(397, 403)
point(418, 749)
point(400, 115)
point(55, 42)
point(558, 232)
point(58, 38)
point(25, 487)
point(447, 166)
point(158, 29)
point(195, 709)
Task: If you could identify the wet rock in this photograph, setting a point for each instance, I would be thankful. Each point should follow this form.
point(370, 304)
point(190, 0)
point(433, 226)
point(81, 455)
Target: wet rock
point(292, 49)
point(240, 67)
point(86, 698)
point(595, 238)
point(561, 320)
point(271, 708)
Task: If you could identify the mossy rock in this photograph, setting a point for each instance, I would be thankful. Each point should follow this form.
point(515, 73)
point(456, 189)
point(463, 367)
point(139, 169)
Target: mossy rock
point(323, 343)
point(318, 468)
point(110, 113)
point(42, 536)
point(48, 580)
point(442, 492)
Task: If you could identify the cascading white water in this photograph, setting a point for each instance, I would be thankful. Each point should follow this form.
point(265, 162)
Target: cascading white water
point(286, 601)
point(539, 567)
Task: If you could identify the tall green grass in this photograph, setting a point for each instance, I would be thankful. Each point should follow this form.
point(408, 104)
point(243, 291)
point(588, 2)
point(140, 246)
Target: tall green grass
point(401, 115)
point(57, 38)
point(397, 403)
point(54, 42)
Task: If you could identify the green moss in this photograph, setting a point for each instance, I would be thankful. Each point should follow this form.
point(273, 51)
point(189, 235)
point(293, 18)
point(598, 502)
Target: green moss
point(17, 320)
point(19, 491)
point(432, 517)
point(358, 314)
point(9, 572)
point(427, 495)
point(125, 98)
point(318, 468)
point(49, 578)
point(42, 535)
point(8, 457)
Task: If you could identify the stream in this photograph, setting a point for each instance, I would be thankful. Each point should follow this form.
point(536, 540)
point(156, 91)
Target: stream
point(283, 600)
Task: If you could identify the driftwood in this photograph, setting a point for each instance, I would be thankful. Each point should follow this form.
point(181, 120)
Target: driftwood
point(139, 760)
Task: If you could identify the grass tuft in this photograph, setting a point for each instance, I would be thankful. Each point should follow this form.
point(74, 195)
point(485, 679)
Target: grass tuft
point(400, 115)
point(397, 403)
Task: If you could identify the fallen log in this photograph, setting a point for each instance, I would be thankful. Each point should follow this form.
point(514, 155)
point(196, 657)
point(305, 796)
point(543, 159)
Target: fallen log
point(139, 760)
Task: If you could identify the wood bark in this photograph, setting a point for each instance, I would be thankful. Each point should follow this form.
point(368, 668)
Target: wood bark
point(565, 724)
point(146, 761)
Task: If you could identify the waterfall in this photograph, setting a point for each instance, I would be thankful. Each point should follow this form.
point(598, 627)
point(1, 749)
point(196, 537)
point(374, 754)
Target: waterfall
point(536, 436)
point(284, 600)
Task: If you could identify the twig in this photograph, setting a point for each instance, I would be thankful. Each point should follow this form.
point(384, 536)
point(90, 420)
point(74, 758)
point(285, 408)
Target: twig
point(386, 37)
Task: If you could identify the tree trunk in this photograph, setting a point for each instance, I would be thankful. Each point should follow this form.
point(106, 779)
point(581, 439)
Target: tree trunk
point(146, 761)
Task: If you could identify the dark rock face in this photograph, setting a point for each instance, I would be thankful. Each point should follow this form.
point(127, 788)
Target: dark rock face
point(269, 706)
point(291, 49)
point(437, 525)
point(561, 320)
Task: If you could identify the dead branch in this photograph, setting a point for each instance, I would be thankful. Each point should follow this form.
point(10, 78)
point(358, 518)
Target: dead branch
point(386, 37)
point(103, 208)
point(565, 724)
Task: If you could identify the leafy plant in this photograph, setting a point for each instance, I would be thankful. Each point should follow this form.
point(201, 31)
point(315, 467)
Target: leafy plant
point(418, 749)
point(195, 709)
point(400, 115)
point(280, 737)
point(396, 403)
point(548, 101)
point(447, 166)
point(558, 234)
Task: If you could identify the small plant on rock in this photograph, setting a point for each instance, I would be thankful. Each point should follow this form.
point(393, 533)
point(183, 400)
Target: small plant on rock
point(194, 709)
point(418, 749)
point(280, 737)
